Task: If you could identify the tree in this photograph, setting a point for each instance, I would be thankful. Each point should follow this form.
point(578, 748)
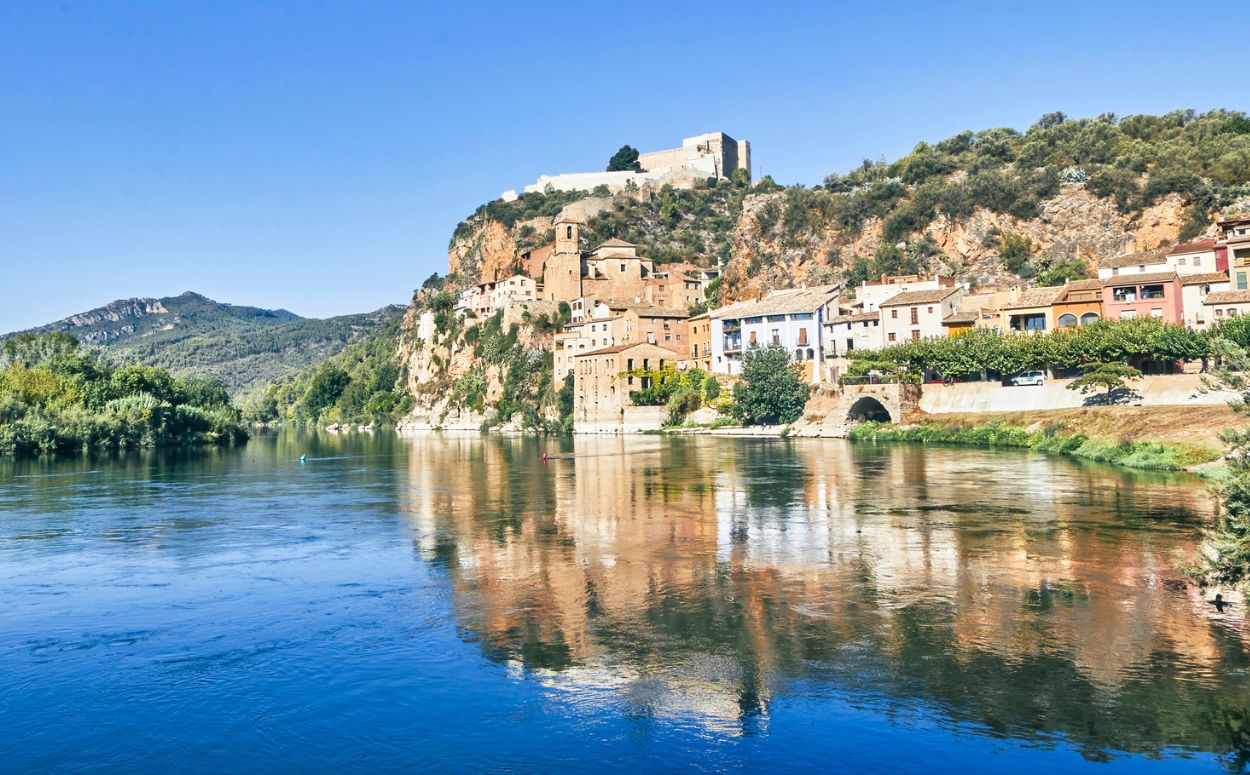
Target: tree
point(772, 390)
point(1224, 557)
point(1106, 376)
point(1060, 272)
point(625, 160)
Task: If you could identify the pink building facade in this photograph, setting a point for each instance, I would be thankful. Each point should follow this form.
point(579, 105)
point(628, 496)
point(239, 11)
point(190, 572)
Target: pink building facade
point(1152, 295)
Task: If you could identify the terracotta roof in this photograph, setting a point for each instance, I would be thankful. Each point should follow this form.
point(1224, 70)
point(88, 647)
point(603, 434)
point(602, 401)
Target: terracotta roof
point(661, 312)
point(1227, 297)
point(855, 318)
point(616, 243)
point(919, 297)
point(1199, 279)
point(704, 316)
point(1137, 279)
point(787, 301)
point(1093, 283)
point(1037, 297)
point(1135, 259)
point(616, 348)
point(1234, 218)
point(962, 317)
point(1201, 246)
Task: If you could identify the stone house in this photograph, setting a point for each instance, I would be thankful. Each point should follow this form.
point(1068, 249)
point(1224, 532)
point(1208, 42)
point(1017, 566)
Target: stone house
point(603, 379)
point(700, 328)
point(913, 315)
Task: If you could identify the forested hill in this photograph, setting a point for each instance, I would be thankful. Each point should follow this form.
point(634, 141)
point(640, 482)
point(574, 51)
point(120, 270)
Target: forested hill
point(191, 335)
point(991, 207)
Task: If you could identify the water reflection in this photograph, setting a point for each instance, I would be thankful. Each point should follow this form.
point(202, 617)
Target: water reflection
point(701, 580)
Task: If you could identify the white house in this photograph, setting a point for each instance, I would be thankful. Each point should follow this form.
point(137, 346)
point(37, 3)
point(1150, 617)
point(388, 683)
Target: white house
point(1192, 258)
point(847, 333)
point(1194, 291)
point(793, 319)
point(918, 314)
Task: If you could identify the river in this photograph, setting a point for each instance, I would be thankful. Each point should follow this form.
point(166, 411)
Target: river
point(456, 604)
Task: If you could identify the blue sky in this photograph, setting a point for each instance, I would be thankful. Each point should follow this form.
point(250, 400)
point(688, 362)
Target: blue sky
point(316, 155)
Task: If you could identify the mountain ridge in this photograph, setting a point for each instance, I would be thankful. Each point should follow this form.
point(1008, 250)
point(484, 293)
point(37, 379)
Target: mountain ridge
point(245, 347)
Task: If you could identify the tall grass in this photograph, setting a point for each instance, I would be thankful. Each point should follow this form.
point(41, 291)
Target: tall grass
point(1145, 455)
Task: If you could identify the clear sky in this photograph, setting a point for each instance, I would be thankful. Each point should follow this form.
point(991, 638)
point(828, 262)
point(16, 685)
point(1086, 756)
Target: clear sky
point(316, 155)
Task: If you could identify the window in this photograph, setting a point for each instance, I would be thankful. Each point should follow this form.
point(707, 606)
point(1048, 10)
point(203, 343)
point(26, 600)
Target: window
point(776, 336)
point(1089, 317)
point(892, 337)
point(1067, 320)
point(803, 336)
point(798, 354)
point(568, 234)
point(915, 334)
point(1241, 281)
point(1125, 295)
point(1157, 312)
point(1152, 292)
point(1204, 289)
point(811, 354)
point(915, 315)
point(752, 339)
point(894, 314)
point(929, 310)
point(1219, 313)
point(1181, 261)
point(622, 267)
point(850, 345)
point(1128, 314)
point(1115, 270)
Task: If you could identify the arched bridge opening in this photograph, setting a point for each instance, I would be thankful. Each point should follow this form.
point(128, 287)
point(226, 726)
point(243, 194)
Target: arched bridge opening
point(868, 408)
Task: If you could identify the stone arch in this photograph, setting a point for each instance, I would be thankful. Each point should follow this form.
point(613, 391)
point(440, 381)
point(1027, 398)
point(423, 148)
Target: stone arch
point(868, 408)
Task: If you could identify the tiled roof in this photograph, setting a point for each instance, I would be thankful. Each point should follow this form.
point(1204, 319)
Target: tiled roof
point(1192, 247)
point(1092, 284)
point(1227, 297)
point(781, 302)
point(661, 312)
point(1037, 297)
point(616, 348)
point(1138, 279)
point(918, 297)
point(616, 243)
point(1199, 279)
point(1135, 259)
point(855, 318)
point(962, 317)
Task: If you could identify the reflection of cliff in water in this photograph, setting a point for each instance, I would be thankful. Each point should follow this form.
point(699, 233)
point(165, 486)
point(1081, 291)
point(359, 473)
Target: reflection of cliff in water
point(700, 578)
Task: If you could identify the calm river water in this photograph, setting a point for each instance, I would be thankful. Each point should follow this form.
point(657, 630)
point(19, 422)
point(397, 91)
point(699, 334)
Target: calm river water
point(444, 604)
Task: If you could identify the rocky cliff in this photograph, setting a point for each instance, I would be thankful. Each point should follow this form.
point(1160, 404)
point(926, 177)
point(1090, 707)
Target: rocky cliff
point(997, 207)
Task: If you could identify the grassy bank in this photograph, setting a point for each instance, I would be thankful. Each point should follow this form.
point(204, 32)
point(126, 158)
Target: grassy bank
point(1145, 455)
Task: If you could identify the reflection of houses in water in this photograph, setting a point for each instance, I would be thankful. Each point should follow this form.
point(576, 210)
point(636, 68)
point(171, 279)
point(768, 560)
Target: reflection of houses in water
point(686, 575)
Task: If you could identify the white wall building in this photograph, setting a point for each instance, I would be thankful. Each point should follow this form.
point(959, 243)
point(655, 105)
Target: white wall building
point(916, 315)
point(1194, 291)
point(793, 319)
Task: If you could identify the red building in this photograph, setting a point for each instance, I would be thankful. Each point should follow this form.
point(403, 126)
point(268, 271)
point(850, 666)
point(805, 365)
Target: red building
point(1150, 295)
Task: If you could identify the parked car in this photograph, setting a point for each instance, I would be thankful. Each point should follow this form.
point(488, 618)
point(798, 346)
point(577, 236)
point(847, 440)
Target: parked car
point(1029, 378)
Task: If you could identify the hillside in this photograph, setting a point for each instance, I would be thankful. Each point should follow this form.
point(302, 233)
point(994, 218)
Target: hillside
point(191, 335)
point(989, 207)
point(992, 208)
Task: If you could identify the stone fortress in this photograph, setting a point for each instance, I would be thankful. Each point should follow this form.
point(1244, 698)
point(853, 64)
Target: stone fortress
point(711, 155)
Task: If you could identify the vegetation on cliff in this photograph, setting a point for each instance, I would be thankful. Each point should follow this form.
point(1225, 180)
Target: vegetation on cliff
point(362, 384)
point(57, 396)
point(1133, 163)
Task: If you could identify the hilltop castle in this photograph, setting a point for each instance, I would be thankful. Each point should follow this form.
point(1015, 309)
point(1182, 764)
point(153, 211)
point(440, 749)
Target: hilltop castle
point(711, 155)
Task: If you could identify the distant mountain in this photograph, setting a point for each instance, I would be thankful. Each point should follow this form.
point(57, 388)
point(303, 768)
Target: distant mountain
point(245, 347)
